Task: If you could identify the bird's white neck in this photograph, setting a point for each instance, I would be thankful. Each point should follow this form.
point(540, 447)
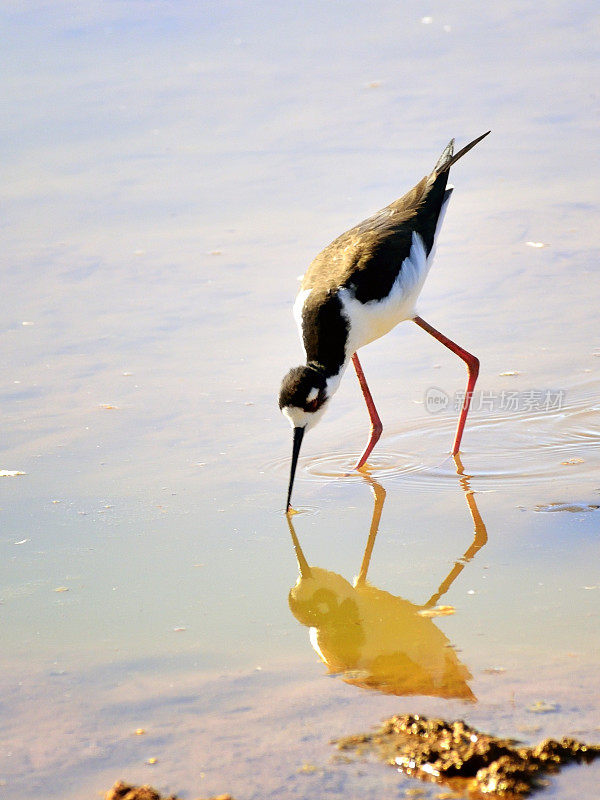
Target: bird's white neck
point(333, 381)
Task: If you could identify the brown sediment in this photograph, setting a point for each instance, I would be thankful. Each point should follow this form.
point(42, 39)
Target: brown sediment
point(455, 753)
point(124, 791)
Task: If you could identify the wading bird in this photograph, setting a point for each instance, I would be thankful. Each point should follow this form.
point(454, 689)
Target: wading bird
point(357, 289)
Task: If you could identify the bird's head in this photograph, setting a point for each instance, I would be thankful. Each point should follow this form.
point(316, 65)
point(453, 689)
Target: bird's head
point(302, 399)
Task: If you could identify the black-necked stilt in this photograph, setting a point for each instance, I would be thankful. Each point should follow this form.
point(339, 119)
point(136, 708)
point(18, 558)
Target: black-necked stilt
point(356, 290)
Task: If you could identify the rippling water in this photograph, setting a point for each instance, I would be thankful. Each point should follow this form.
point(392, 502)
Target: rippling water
point(528, 448)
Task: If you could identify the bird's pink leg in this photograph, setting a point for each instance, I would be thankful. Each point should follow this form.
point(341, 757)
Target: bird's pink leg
point(472, 363)
point(376, 426)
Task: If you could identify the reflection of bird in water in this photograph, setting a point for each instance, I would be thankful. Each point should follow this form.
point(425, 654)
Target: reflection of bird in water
point(377, 640)
point(356, 290)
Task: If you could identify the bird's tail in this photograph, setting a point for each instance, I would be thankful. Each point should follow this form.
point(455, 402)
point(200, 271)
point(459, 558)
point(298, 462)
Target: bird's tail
point(447, 159)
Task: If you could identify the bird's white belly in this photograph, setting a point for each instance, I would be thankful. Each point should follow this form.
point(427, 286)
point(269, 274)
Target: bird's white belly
point(369, 321)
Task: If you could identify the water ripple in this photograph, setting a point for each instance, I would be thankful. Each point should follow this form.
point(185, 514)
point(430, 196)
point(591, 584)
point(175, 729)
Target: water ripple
point(517, 447)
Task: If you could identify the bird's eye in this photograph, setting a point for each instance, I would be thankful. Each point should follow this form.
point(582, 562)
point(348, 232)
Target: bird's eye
point(313, 405)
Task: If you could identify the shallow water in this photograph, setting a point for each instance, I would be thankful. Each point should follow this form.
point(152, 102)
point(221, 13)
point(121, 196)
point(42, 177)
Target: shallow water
point(170, 172)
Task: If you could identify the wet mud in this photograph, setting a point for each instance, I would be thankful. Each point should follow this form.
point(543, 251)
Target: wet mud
point(465, 758)
point(124, 791)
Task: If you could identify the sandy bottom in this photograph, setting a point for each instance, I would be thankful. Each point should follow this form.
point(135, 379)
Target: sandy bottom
point(263, 733)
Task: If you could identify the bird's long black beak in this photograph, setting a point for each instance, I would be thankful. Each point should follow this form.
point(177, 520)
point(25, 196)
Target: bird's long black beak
point(298, 434)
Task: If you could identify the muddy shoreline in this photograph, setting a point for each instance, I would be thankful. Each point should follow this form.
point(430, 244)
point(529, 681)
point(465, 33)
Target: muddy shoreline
point(125, 791)
point(469, 762)
point(465, 758)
